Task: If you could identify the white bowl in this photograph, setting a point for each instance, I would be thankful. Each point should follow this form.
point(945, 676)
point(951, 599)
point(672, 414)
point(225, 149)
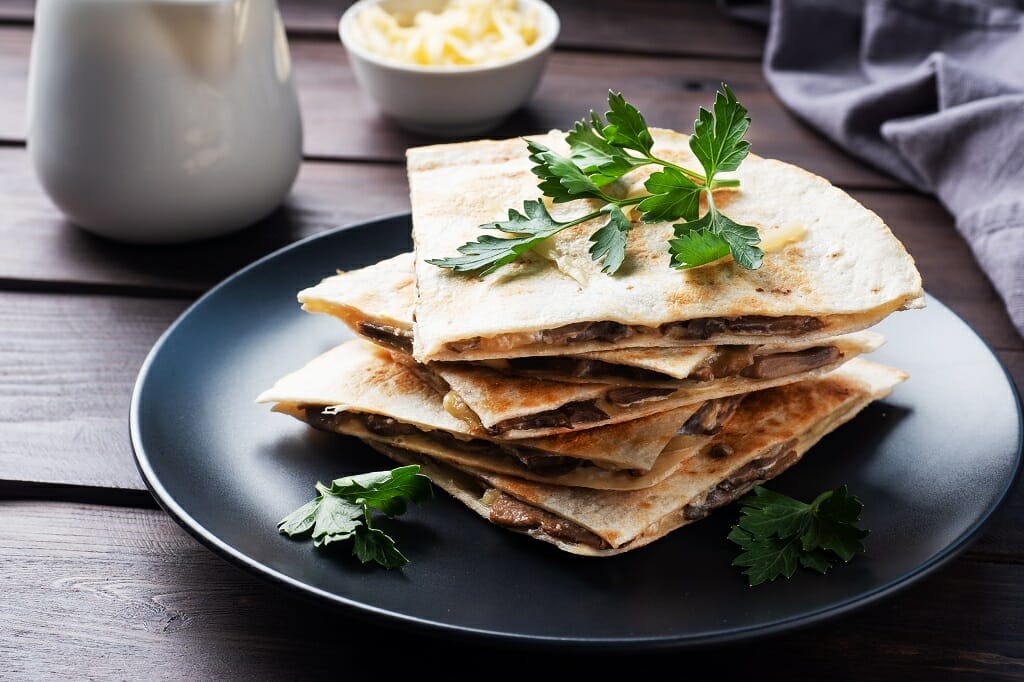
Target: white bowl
point(449, 100)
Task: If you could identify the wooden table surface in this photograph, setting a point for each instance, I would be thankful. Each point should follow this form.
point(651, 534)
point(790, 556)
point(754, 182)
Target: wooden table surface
point(96, 581)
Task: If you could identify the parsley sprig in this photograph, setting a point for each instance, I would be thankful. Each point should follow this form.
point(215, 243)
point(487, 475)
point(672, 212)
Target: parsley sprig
point(778, 533)
point(603, 150)
point(342, 511)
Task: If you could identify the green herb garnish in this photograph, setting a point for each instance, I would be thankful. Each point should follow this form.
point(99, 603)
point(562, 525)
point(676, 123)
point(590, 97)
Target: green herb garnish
point(603, 150)
point(342, 511)
point(778, 533)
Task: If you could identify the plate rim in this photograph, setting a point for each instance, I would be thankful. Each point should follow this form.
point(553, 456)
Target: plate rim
point(390, 618)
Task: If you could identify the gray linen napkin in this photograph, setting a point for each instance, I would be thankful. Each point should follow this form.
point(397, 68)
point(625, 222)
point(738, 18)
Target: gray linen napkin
point(931, 91)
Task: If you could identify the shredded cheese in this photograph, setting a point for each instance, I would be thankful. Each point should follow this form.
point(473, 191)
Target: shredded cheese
point(464, 32)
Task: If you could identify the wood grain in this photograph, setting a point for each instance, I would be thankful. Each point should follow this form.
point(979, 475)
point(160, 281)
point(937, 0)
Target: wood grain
point(69, 366)
point(103, 593)
point(689, 27)
point(15, 44)
point(342, 123)
point(49, 249)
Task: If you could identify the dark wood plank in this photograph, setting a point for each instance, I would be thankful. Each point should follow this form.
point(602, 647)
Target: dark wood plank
point(15, 44)
point(17, 10)
point(688, 27)
point(51, 249)
point(341, 122)
point(101, 593)
point(69, 365)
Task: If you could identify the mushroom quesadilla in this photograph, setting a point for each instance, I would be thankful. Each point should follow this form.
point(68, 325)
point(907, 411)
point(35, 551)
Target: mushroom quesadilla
point(836, 267)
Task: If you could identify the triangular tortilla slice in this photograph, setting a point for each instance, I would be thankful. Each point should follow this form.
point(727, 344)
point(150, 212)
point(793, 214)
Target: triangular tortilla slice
point(513, 407)
point(357, 379)
point(773, 431)
point(376, 302)
point(835, 267)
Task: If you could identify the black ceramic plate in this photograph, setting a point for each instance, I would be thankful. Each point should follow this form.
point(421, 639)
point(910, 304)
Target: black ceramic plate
point(931, 463)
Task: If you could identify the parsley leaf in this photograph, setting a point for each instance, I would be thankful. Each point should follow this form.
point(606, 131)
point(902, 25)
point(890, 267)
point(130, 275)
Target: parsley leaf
point(673, 196)
point(626, 126)
point(596, 156)
point(488, 252)
point(778, 533)
point(718, 232)
point(342, 511)
point(561, 179)
point(697, 246)
point(609, 242)
point(717, 139)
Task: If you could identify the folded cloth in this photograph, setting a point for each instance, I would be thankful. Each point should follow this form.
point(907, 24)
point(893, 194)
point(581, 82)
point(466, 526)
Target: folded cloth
point(931, 91)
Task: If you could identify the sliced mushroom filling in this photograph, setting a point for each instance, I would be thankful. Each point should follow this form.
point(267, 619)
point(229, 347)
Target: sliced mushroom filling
point(533, 459)
point(610, 332)
point(513, 513)
point(768, 465)
point(387, 335)
point(713, 413)
point(726, 361)
point(711, 416)
point(565, 417)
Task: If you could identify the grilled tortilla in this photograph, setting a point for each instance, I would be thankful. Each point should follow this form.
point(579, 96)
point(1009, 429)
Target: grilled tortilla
point(515, 407)
point(367, 393)
point(377, 301)
point(772, 431)
point(832, 265)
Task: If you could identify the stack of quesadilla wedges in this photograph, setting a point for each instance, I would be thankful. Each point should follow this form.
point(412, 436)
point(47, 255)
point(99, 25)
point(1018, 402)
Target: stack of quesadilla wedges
point(594, 412)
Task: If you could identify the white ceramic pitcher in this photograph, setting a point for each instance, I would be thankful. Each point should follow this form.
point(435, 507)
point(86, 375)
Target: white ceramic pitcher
point(160, 121)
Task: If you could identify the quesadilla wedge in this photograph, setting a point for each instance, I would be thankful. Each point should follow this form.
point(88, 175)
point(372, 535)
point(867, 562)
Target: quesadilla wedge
point(376, 302)
point(770, 433)
point(515, 407)
point(831, 266)
point(358, 389)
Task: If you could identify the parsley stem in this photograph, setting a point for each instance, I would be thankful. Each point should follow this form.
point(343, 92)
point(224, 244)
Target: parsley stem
point(711, 199)
point(695, 176)
point(596, 214)
point(582, 219)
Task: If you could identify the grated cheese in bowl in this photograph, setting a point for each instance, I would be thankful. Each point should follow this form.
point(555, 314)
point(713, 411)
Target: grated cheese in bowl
point(461, 32)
